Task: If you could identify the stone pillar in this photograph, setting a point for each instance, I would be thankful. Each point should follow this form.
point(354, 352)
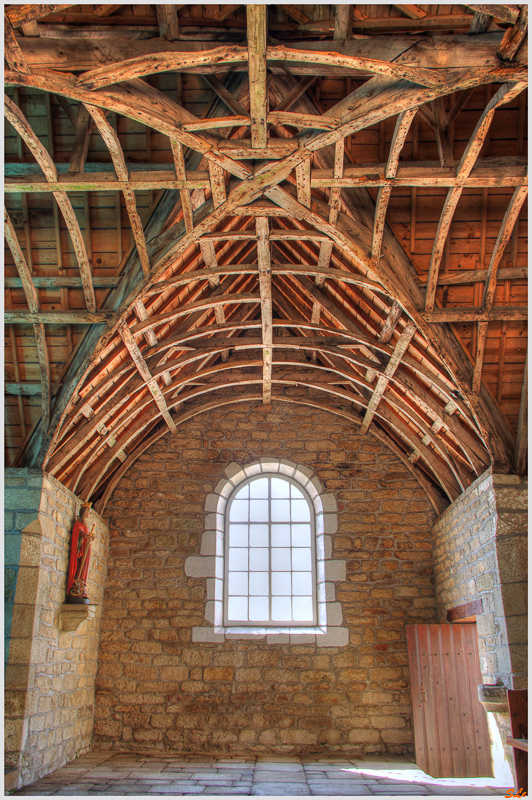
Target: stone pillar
point(50, 670)
point(480, 554)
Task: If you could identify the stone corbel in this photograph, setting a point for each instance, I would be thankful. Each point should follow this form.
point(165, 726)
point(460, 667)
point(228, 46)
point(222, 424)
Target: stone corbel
point(71, 616)
point(493, 698)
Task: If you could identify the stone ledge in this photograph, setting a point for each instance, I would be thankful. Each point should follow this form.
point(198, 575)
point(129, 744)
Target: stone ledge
point(71, 616)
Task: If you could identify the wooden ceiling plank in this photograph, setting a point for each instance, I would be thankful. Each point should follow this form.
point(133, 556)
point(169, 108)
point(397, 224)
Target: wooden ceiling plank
point(515, 36)
point(32, 299)
point(265, 288)
point(258, 95)
point(153, 386)
point(43, 158)
point(521, 441)
point(505, 232)
point(110, 137)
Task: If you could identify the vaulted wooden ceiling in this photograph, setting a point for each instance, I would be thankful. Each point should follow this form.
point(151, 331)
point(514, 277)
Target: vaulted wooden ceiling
point(219, 204)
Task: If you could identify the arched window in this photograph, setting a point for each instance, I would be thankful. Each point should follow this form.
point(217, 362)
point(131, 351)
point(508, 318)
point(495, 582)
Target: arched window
point(270, 554)
point(266, 556)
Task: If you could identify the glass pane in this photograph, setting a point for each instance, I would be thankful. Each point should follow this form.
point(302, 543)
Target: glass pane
point(281, 583)
point(258, 558)
point(258, 510)
point(281, 559)
point(259, 609)
point(301, 535)
point(295, 492)
point(281, 510)
point(281, 609)
point(238, 536)
point(238, 558)
point(243, 492)
point(303, 609)
point(260, 585)
point(258, 535)
point(300, 511)
point(238, 583)
point(301, 560)
point(280, 488)
point(259, 488)
point(237, 608)
point(239, 511)
point(280, 535)
point(302, 582)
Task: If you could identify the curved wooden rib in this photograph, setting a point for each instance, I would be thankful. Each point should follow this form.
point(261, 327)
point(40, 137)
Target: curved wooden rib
point(32, 299)
point(435, 498)
point(225, 57)
point(110, 138)
point(43, 158)
point(441, 472)
point(506, 93)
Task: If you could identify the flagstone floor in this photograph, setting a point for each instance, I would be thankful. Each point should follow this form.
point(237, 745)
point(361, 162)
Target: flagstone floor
point(103, 773)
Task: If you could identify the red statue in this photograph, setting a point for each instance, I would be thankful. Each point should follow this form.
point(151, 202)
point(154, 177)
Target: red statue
point(80, 550)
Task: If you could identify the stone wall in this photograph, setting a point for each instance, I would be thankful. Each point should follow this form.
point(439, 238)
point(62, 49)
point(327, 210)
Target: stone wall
point(158, 689)
point(480, 552)
point(50, 671)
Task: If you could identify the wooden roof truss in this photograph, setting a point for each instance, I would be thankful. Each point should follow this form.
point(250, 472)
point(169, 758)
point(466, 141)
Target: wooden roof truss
point(267, 265)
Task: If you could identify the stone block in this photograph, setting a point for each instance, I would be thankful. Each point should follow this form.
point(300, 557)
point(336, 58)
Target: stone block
point(335, 637)
point(199, 567)
point(330, 592)
point(506, 480)
point(334, 614)
point(277, 638)
point(206, 635)
point(327, 547)
point(208, 543)
point(514, 598)
point(512, 556)
point(235, 473)
point(27, 585)
point(335, 570)
point(517, 629)
point(211, 503)
point(302, 638)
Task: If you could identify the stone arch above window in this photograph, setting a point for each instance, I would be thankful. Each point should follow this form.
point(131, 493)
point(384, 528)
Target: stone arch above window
point(326, 629)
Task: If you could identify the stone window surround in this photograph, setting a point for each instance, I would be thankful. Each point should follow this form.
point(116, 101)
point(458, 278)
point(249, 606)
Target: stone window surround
point(210, 563)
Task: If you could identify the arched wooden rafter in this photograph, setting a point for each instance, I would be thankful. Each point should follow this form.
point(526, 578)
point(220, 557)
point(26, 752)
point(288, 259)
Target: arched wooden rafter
point(334, 272)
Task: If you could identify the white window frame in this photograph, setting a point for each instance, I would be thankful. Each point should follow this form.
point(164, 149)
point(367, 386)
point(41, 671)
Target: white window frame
point(210, 563)
point(271, 625)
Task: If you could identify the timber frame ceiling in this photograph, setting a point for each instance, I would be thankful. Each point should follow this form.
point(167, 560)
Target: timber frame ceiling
point(219, 204)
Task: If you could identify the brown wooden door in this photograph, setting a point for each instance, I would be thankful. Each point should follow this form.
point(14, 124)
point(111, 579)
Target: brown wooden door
point(450, 725)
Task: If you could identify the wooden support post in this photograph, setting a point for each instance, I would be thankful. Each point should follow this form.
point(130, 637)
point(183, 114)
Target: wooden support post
point(258, 96)
point(343, 21)
point(186, 204)
point(265, 286)
point(168, 22)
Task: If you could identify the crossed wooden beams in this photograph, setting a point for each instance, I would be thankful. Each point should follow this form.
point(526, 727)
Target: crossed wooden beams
point(222, 158)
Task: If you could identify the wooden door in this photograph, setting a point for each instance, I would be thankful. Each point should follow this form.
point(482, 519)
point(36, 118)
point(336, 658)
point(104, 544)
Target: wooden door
point(450, 725)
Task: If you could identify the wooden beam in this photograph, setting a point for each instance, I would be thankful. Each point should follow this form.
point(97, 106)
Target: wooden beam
point(514, 37)
point(505, 232)
point(12, 52)
point(258, 96)
point(168, 22)
point(142, 367)
point(390, 323)
point(343, 21)
point(217, 184)
point(43, 158)
point(506, 93)
point(505, 13)
point(466, 276)
point(521, 441)
point(226, 96)
point(58, 317)
point(382, 383)
point(184, 193)
point(265, 287)
point(468, 314)
point(402, 126)
point(110, 137)
point(32, 300)
point(81, 141)
point(481, 23)
point(413, 12)
point(294, 94)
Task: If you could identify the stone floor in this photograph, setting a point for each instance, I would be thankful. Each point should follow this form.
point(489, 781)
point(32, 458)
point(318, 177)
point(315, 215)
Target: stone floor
point(104, 773)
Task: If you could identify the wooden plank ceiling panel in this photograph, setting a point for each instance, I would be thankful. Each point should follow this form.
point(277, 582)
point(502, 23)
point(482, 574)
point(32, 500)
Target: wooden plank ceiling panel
point(237, 218)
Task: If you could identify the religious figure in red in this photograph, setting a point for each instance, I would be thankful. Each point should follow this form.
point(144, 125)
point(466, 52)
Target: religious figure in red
point(80, 550)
